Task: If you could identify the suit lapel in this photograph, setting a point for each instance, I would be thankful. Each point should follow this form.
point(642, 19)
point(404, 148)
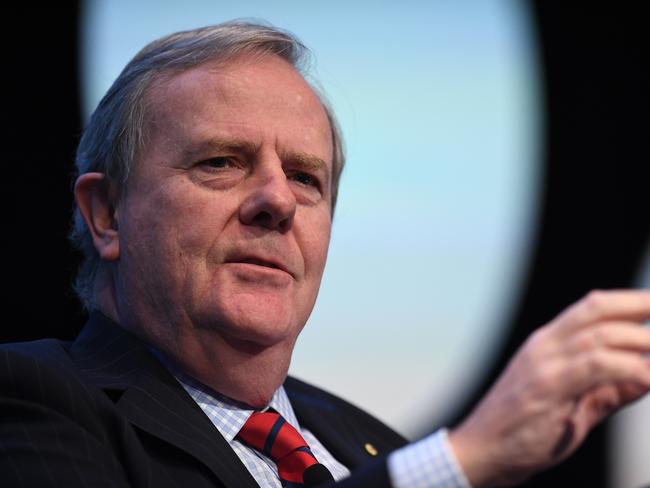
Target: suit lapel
point(352, 436)
point(151, 398)
point(325, 421)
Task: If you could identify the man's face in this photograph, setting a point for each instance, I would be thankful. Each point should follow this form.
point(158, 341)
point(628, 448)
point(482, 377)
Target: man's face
point(226, 221)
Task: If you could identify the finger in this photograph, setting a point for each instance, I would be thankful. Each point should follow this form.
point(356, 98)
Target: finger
point(631, 392)
point(594, 407)
point(614, 335)
point(630, 305)
point(605, 400)
point(602, 366)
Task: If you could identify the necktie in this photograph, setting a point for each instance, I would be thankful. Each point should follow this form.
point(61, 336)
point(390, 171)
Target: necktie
point(272, 435)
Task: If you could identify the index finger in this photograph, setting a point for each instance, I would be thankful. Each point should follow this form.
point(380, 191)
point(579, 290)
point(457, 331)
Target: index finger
point(601, 305)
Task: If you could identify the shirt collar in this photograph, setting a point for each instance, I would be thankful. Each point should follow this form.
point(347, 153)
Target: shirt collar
point(228, 415)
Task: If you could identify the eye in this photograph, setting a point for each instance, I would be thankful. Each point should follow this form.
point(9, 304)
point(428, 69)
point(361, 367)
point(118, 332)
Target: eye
point(305, 179)
point(219, 162)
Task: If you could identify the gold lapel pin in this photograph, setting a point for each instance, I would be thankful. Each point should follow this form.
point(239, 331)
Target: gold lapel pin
point(370, 449)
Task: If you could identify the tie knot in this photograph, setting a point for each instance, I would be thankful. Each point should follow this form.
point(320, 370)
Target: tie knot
point(272, 435)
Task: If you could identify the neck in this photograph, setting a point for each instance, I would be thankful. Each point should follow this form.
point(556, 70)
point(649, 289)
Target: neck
point(239, 370)
point(242, 370)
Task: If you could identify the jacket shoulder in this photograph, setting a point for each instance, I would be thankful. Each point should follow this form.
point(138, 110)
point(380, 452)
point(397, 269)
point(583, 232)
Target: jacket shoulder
point(50, 420)
point(43, 373)
point(21, 360)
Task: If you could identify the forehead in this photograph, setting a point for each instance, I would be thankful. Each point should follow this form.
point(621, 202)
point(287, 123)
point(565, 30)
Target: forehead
point(252, 97)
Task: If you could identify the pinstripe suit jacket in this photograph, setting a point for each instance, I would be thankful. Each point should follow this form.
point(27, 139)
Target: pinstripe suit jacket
point(103, 412)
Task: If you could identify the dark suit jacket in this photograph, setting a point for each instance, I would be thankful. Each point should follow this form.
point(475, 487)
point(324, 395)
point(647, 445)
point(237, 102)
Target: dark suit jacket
point(103, 412)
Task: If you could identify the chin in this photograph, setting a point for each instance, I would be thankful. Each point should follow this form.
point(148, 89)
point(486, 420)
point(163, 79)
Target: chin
point(262, 335)
point(258, 326)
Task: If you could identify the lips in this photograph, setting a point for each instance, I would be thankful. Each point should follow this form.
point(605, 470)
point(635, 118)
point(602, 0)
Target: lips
point(260, 262)
point(263, 261)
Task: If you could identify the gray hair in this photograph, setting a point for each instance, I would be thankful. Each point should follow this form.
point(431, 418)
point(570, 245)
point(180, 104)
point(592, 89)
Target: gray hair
point(116, 130)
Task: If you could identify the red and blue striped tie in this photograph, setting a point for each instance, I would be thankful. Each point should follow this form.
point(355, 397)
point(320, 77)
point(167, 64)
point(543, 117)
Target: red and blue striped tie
point(272, 435)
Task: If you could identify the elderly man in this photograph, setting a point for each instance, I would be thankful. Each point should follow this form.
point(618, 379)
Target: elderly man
point(207, 182)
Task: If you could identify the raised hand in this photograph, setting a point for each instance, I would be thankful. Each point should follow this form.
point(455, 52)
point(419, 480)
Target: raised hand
point(569, 375)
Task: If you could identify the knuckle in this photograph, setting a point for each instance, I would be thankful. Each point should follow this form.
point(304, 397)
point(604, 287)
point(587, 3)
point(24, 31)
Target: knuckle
point(585, 342)
point(595, 362)
point(537, 338)
point(595, 303)
point(536, 346)
point(598, 337)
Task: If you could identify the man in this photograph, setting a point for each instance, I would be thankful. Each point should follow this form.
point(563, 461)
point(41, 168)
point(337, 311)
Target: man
point(207, 182)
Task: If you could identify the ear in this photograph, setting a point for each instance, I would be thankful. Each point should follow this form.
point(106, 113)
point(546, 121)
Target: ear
point(95, 201)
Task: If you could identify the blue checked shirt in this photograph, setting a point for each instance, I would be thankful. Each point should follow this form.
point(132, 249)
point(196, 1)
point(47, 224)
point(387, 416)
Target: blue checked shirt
point(429, 463)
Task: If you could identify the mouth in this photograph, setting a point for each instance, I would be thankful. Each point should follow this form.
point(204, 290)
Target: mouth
point(262, 262)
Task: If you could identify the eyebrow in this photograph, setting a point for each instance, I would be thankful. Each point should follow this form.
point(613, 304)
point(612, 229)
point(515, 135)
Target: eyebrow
point(193, 151)
point(307, 161)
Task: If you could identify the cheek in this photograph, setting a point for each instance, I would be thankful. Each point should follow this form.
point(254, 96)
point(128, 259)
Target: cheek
point(316, 245)
point(148, 244)
point(169, 226)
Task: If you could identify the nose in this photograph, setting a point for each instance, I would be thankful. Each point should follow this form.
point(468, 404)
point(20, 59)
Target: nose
point(271, 204)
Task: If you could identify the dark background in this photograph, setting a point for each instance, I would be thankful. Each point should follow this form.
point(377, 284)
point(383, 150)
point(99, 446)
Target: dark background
point(594, 227)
